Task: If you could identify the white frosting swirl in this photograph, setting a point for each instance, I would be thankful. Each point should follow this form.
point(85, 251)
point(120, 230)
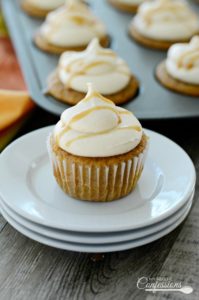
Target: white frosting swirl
point(102, 67)
point(46, 4)
point(182, 61)
point(171, 20)
point(72, 25)
point(96, 127)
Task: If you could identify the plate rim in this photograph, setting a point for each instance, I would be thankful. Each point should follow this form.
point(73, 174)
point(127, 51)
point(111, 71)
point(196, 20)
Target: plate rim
point(47, 129)
point(96, 240)
point(102, 248)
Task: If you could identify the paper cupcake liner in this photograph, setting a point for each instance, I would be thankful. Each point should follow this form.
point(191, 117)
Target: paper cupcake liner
point(97, 183)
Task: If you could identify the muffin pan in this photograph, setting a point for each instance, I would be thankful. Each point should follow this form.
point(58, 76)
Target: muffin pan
point(153, 100)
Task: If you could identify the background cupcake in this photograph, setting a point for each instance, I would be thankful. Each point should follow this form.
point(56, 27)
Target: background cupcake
point(160, 23)
point(180, 71)
point(130, 6)
point(40, 8)
point(70, 27)
point(97, 150)
point(109, 73)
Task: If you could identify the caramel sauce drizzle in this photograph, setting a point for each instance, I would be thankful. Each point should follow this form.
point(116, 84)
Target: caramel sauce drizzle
point(192, 55)
point(96, 95)
point(76, 20)
point(88, 111)
point(137, 128)
point(96, 63)
point(164, 6)
point(81, 20)
point(73, 8)
point(86, 68)
point(83, 114)
point(125, 112)
point(106, 52)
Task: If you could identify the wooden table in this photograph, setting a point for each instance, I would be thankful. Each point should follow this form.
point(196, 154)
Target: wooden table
point(30, 270)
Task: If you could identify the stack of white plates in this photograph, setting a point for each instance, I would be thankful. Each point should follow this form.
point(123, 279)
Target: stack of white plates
point(32, 202)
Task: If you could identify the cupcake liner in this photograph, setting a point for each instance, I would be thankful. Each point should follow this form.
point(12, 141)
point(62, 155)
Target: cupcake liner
point(97, 183)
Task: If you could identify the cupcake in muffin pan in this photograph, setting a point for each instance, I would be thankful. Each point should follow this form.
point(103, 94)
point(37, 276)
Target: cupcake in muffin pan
point(70, 27)
point(161, 23)
point(40, 8)
point(109, 73)
point(180, 71)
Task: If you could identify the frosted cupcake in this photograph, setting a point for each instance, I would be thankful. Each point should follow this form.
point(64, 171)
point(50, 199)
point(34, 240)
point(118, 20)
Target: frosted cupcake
point(161, 23)
point(109, 73)
point(97, 150)
point(70, 27)
point(130, 6)
point(180, 71)
point(40, 8)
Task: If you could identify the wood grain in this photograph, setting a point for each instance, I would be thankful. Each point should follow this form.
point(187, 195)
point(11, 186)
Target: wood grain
point(31, 270)
point(2, 222)
point(182, 264)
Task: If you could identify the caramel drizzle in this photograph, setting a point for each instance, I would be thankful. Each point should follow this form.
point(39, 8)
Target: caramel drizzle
point(85, 68)
point(137, 128)
point(81, 116)
point(96, 95)
point(163, 7)
point(96, 63)
point(87, 112)
point(80, 20)
point(57, 23)
point(106, 52)
point(192, 56)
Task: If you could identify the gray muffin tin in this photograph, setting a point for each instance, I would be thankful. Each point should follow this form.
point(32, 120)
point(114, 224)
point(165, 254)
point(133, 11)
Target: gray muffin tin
point(153, 100)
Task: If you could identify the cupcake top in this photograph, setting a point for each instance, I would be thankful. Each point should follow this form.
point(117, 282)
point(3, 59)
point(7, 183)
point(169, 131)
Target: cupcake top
point(46, 4)
point(182, 61)
point(170, 20)
point(96, 127)
point(109, 73)
point(72, 25)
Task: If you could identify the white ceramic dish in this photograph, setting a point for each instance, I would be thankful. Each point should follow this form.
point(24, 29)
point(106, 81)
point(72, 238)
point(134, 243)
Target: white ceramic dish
point(95, 248)
point(27, 185)
point(97, 238)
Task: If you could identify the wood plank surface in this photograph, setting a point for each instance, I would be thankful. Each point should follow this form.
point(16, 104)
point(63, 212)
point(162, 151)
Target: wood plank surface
point(2, 223)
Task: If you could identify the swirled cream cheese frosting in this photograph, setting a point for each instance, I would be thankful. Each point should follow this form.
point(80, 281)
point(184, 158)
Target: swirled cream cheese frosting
point(96, 127)
point(166, 20)
point(182, 61)
point(72, 25)
point(46, 4)
point(98, 65)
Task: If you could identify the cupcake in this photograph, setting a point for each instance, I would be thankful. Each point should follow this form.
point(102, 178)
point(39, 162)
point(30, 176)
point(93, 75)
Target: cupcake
point(70, 27)
point(130, 6)
point(180, 71)
point(40, 8)
point(161, 23)
point(97, 149)
point(109, 73)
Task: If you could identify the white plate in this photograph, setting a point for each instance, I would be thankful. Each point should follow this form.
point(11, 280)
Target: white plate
point(97, 238)
point(95, 248)
point(27, 185)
